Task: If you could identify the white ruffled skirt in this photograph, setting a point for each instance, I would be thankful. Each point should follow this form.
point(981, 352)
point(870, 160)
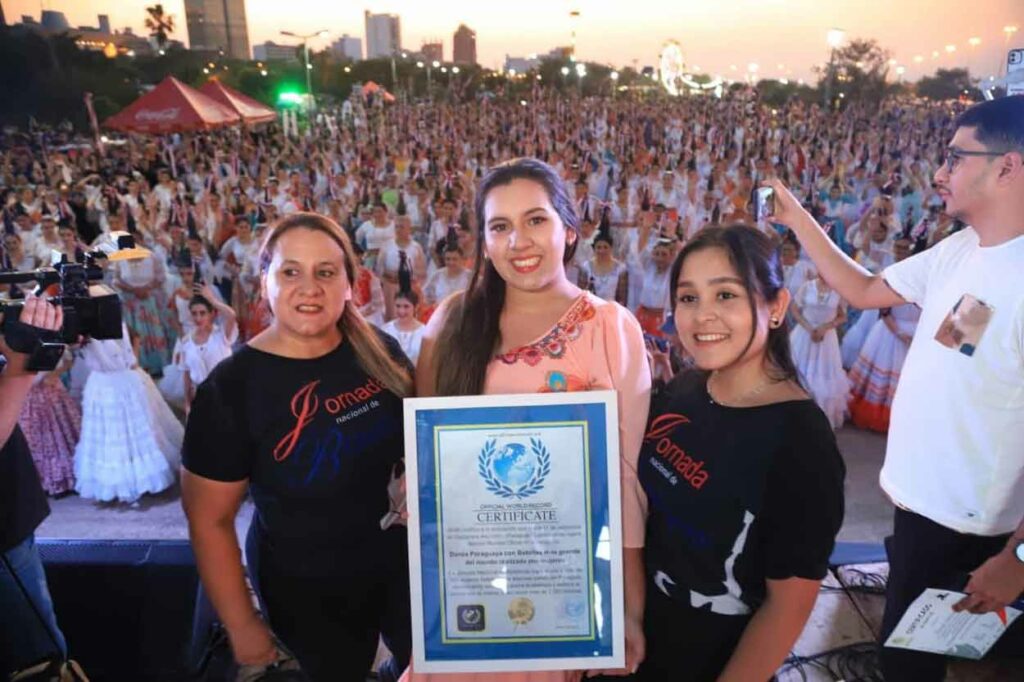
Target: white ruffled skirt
point(821, 370)
point(130, 440)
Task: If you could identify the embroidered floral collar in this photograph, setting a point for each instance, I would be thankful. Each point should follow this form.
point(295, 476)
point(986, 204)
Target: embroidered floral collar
point(554, 343)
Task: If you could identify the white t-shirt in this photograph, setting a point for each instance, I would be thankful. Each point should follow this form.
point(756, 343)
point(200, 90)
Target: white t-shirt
point(374, 237)
point(956, 438)
point(409, 341)
point(199, 359)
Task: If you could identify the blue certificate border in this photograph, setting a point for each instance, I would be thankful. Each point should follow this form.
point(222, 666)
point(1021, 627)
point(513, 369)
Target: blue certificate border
point(446, 637)
point(440, 647)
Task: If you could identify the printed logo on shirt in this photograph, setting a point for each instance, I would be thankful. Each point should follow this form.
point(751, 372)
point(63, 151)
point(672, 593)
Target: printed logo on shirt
point(305, 404)
point(965, 325)
point(690, 469)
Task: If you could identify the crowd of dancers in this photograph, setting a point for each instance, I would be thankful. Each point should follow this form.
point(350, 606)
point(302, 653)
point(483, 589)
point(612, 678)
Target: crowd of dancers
point(646, 178)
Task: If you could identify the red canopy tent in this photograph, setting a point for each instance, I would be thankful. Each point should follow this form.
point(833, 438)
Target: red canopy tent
point(249, 109)
point(172, 107)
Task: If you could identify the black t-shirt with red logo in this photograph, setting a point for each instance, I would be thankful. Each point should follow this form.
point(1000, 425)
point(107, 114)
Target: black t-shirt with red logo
point(317, 439)
point(736, 496)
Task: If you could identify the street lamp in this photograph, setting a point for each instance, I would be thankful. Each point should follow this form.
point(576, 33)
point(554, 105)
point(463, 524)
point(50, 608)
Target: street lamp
point(834, 38)
point(305, 54)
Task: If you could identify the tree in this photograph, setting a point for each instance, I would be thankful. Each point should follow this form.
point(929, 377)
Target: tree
point(776, 93)
point(858, 71)
point(947, 84)
point(159, 24)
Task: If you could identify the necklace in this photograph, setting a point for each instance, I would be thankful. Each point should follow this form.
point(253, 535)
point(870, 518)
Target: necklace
point(742, 398)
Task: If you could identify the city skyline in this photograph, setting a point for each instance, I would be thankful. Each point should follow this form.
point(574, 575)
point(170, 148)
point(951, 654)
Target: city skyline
point(784, 38)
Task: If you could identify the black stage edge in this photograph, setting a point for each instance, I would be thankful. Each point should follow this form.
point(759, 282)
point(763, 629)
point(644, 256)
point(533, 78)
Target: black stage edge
point(125, 606)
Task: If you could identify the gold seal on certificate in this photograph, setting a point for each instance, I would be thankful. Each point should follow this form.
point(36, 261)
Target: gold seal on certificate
point(520, 610)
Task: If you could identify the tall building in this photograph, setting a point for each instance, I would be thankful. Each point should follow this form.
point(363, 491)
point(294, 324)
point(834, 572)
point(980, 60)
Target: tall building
point(104, 21)
point(520, 64)
point(273, 52)
point(348, 47)
point(218, 25)
point(464, 45)
point(433, 51)
point(383, 35)
point(53, 21)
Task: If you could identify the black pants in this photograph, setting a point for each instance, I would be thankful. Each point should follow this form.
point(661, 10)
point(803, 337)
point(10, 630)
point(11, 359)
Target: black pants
point(923, 554)
point(331, 623)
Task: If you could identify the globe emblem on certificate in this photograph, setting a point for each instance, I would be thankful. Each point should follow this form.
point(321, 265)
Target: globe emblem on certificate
point(515, 470)
point(520, 610)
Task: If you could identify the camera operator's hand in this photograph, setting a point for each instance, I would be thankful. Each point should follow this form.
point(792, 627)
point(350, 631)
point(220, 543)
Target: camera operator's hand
point(36, 312)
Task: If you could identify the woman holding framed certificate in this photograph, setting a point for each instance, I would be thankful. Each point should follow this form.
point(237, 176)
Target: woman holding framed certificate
point(742, 475)
point(308, 418)
point(523, 327)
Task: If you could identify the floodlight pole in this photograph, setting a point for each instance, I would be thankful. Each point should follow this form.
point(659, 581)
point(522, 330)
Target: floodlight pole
point(305, 55)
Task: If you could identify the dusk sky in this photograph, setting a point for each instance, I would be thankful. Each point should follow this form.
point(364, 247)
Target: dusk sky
point(714, 35)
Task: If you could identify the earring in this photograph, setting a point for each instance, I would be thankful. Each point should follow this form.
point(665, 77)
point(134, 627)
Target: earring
point(774, 322)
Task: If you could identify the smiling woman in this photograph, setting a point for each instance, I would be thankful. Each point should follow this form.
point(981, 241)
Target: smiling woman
point(308, 417)
point(742, 473)
point(522, 327)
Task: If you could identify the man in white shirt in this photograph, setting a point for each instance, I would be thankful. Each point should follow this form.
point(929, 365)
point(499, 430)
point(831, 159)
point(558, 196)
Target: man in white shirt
point(954, 463)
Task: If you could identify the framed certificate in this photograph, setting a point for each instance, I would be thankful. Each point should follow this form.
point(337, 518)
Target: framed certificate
point(515, 533)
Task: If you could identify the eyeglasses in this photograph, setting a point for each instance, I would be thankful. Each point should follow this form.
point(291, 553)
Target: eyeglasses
point(954, 156)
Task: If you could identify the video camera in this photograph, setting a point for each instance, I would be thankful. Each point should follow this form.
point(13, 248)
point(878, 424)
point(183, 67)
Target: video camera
point(91, 309)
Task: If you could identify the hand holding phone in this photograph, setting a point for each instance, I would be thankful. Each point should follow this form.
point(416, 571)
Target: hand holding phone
point(764, 203)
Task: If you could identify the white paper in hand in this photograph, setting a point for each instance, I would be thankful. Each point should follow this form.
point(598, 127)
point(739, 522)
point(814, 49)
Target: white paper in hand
point(931, 625)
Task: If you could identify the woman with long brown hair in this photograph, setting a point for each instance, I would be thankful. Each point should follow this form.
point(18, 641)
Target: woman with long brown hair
point(523, 327)
point(741, 474)
point(308, 417)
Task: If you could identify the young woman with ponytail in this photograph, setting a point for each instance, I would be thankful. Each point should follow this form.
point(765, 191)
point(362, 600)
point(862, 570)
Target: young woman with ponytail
point(308, 418)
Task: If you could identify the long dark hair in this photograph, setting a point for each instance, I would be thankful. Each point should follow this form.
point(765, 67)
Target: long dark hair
point(471, 334)
point(759, 267)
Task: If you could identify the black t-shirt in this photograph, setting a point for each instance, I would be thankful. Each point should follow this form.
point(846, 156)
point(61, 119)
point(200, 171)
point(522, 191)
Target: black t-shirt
point(23, 503)
point(736, 496)
point(317, 440)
